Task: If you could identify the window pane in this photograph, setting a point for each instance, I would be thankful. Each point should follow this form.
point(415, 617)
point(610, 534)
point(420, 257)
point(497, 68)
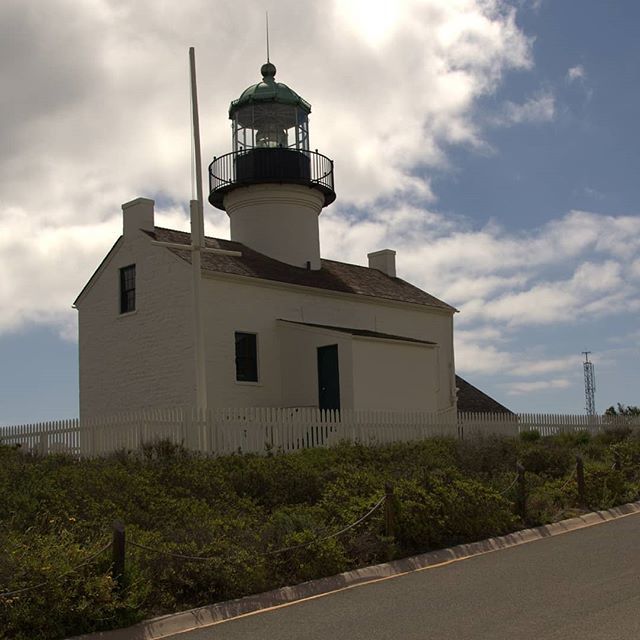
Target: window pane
point(128, 289)
point(246, 357)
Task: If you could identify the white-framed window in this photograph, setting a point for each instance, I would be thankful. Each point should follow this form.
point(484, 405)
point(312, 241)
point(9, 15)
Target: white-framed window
point(128, 289)
point(246, 356)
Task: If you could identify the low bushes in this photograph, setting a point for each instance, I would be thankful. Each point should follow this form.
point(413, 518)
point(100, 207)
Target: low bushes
point(242, 511)
point(445, 509)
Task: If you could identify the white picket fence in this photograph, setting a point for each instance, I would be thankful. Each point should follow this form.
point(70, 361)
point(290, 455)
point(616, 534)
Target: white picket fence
point(547, 424)
point(257, 430)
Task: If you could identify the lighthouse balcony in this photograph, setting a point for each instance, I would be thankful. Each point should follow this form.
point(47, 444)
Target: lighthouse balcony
point(270, 165)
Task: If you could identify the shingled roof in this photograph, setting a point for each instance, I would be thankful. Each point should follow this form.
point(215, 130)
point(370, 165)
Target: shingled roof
point(332, 276)
point(470, 398)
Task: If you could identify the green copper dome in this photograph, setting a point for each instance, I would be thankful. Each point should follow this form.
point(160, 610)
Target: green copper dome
point(269, 91)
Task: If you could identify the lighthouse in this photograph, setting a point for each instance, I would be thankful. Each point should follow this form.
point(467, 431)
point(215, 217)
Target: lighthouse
point(272, 185)
point(280, 327)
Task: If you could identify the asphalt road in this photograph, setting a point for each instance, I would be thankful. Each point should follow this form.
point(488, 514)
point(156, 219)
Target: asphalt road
point(581, 585)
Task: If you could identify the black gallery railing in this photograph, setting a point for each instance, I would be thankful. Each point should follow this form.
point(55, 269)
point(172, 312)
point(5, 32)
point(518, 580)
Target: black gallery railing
point(264, 165)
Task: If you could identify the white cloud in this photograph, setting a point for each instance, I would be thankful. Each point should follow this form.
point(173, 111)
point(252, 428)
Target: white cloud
point(588, 290)
point(530, 365)
point(539, 108)
point(477, 354)
point(523, 388)
point(100, 104)
point(96, 112)
point(581, 255)
point(42, 288)
point(576, 73)
point(496, 351)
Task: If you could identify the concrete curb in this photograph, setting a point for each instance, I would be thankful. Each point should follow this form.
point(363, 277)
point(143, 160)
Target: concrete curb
point(163, 626)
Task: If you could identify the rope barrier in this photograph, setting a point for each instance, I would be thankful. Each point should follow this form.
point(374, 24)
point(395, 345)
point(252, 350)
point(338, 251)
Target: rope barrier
point(333, 535)
point(573, 473)
point(181, 556)
point(501, 493)
point(89, 560)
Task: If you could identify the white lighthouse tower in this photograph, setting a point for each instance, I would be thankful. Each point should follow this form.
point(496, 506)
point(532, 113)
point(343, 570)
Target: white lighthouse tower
point(271, 185)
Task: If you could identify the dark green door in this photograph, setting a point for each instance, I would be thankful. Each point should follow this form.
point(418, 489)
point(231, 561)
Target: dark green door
point(328, 377)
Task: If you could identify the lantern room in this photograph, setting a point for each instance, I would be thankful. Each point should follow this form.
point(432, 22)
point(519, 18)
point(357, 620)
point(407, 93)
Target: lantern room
point(270, 115)
point(270, 141)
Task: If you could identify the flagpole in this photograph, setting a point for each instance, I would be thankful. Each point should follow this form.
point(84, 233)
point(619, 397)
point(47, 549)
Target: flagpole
point(197, 244)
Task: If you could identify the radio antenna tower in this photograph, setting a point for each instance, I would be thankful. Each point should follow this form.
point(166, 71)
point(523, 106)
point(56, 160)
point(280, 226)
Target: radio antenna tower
point(589, 385)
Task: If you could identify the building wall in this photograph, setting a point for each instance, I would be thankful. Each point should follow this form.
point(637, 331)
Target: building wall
point(298, 364)
point(287, 368)
point(394, 375)
point(144, 358)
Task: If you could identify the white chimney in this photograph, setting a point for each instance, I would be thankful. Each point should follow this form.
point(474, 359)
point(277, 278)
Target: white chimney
point(137, 214)
point(384, 260)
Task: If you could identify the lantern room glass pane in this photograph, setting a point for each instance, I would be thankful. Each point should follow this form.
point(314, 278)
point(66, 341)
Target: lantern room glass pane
point(270, 125)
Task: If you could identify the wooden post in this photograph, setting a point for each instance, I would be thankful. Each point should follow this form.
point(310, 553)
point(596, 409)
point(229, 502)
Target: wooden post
point(617, 461)
point(521, 499)
point(580, 481)
point(118, 549)
point(389, 511)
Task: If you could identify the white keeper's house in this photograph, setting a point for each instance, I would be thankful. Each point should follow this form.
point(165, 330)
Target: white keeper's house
point(280, 326)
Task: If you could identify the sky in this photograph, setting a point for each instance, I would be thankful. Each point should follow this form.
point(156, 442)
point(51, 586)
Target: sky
point(492, 143)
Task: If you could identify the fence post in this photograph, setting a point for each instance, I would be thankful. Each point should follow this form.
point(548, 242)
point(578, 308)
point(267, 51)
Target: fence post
point(389, 511)
point(580, 481)
point(43, 444)
point(118, 549)
point(521, 499)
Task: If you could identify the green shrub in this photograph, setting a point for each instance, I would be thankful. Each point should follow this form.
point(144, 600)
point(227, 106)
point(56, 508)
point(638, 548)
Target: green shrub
point(449, 509)
point(546, 457)
point(237, 510)
point(606, 488)
point(85, 599)
point(572, 438)
point(532, 435)
point(550, 500)
point(487, 454)
point(613, 435)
